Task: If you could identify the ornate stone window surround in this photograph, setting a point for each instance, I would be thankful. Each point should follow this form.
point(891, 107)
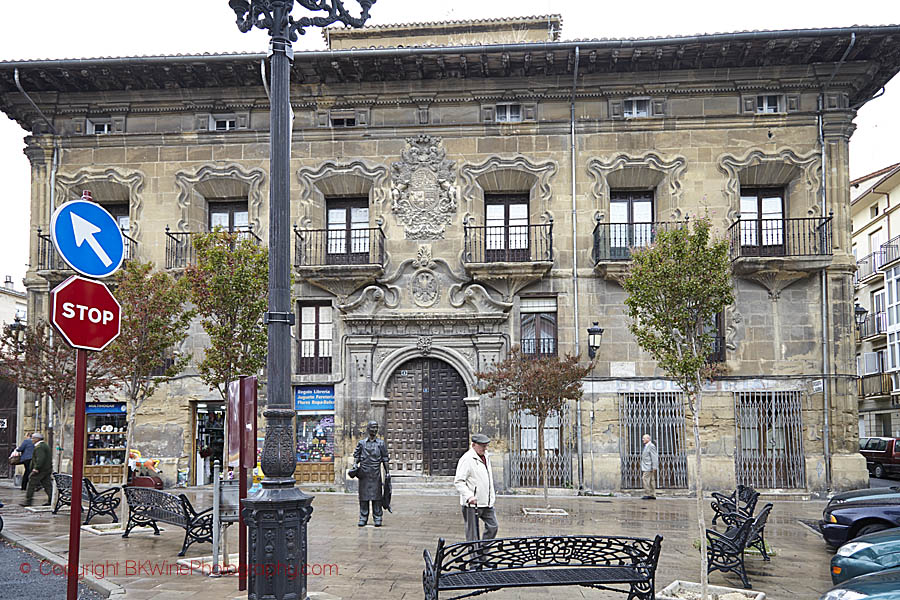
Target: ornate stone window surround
point(800, 175)
point(213, 182)
point(111, 185)
point(498, 175)
point(648, 171)
point(333, 179)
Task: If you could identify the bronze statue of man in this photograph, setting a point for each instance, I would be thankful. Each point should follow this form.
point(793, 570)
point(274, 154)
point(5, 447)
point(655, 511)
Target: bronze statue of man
point(370, 454)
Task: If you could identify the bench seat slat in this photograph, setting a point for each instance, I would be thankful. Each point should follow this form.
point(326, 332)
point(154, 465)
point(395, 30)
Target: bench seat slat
point(528, 578)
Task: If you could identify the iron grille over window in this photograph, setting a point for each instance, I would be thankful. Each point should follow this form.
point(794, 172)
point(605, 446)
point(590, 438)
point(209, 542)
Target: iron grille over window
point(661, 416)
point(769, 440)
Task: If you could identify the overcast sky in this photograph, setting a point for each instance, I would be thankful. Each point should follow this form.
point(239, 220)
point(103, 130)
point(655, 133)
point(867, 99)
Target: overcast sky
point(93, 28)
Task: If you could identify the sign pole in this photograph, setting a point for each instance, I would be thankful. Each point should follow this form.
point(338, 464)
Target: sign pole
point(77, 474)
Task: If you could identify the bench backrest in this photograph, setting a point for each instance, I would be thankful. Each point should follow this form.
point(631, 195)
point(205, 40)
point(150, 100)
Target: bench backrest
point(747, 498)
point(63, 481)
point(156, 505)
point(557, 551)
point(759, 523)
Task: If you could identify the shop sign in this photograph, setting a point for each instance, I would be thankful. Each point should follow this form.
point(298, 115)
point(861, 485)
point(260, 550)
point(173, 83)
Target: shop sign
point(314, 397)
point(104, 408)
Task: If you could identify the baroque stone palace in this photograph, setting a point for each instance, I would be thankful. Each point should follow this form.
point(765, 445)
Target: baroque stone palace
point(461, 188)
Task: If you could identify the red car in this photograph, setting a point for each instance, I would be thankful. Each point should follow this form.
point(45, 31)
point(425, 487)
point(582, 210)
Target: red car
point(882, 456)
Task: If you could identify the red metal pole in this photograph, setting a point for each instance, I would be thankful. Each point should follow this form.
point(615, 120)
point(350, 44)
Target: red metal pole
point(77, 474)
point(242, 492)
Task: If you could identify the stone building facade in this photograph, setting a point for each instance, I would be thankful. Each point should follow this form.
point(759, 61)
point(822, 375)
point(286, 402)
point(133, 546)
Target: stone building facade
point(462, 188)
point(876, 246)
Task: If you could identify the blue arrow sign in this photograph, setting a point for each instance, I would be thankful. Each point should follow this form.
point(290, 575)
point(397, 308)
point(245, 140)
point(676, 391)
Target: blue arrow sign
point(88, 238)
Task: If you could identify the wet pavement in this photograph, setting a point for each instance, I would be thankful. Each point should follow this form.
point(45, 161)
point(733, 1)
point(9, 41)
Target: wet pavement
point(28, 576)
point(353, 563)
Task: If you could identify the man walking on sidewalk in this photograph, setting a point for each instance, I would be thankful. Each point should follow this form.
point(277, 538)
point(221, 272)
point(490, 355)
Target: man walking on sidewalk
point(649, 465)
point(475, 485)
point(41, 467)
point(25, 452)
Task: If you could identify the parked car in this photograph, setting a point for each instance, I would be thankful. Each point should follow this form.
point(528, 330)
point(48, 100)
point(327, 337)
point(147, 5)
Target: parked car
point(860, 512)
point(862, 442)
point(866, 554)
point(883, 585)
point(882, 456)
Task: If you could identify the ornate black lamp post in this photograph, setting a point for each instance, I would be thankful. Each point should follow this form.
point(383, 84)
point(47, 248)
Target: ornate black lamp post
point(594, 334)
point(277, 516)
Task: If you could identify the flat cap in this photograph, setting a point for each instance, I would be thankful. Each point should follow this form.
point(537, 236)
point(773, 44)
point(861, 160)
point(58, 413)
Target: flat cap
point(480, 438)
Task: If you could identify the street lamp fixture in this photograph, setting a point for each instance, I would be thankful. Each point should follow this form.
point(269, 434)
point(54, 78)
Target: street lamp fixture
point(859, 313)
point(277, 516)
point(594, 335)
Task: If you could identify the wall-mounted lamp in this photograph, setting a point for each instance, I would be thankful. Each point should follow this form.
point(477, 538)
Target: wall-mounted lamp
point(859, 313)
point(594, 335)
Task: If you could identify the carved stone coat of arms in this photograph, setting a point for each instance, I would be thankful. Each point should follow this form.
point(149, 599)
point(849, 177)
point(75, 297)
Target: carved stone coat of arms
point(422, 191)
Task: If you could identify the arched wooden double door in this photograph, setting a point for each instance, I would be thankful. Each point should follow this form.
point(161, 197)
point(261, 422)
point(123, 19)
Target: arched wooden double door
point(427, 420)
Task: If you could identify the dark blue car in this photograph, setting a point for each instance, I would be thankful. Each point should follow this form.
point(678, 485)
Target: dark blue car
point(883, 585)
point(851, 514)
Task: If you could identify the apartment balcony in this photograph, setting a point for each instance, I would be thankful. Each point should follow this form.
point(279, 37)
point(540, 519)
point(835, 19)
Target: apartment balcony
point(799, 245)
point(180, 251)
point(510, 257)
point(339, 261)
point(538, 348)
point(874, 326)
point(51, 265)
point(875, 385)
point(890, 251)
point(615, 242)
point(867, 268)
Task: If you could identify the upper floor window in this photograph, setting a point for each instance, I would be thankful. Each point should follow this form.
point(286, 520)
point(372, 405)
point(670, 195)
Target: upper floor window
point(229, 216)
point(348, 230)
point(223, 123)
point(769, 103)
point(506, 231)
point(636, 107)
point(99, 126)
point(716, 329)
point(538, 330)
point(873, 211)
point(631, 220)
point(762, 220)
point(509, 113)
point(120, 213)
point(315, 339)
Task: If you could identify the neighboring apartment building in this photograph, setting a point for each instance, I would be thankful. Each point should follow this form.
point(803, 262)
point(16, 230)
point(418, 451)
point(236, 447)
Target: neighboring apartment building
point(13, 304)
point(461, 188)
point(876, 244)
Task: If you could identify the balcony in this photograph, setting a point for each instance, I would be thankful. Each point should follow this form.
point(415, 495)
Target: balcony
point(52, 265)
point(874, 385)
point(718, 353)
point(890, 253)
point(614, 243)
point(867, 267)
point(339, 261)
point(538, 348)
point(180, 252)
point(799, 245)
point(875, 325)
point(508, 258)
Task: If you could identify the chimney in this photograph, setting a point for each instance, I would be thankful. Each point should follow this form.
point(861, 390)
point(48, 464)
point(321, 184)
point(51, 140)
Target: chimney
point(8, 283)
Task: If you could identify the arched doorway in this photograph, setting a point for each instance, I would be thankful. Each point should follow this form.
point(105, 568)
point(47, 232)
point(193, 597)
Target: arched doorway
point(427, 426)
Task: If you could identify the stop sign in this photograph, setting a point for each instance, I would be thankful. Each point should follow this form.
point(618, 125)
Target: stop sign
point(86, 313)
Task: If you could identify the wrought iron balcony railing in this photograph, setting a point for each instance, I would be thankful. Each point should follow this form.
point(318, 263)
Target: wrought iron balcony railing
point(616, 241)
point(868, 265)
point(890, 252)
point(808, 236)
point(319, 247)
point(513, 243)
point(535, 348)
point(875, 324)
point(875, 384)
point(718, 353)
point(313, 357)
point(50, 260)
point(180, 252)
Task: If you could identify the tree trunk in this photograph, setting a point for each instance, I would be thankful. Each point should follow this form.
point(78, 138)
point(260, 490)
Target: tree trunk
point(542, 459)
point(701, 516)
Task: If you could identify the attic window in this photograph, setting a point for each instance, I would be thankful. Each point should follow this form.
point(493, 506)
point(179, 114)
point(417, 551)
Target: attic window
point(873, 211)
point(509, 113)
point(223, 123)
point(343, 121)
point(636, 108)
point(99, 126)
point(769, 103)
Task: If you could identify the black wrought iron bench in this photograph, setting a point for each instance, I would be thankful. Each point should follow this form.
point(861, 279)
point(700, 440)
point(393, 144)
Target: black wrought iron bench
point(742, 501)
point(591, 561)
point(725, 551)
point(99, 503)
point(147, 506)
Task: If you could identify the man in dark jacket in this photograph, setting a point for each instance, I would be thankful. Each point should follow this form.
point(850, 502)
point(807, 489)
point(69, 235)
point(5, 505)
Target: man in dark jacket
point(25, 450)
point(369, 455)
point(41, 469)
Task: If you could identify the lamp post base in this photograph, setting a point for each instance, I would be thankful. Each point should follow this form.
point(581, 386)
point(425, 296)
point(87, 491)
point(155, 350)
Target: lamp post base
point(276, 520)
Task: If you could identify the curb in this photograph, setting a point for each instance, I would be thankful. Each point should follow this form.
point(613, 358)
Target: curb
point(104, 587)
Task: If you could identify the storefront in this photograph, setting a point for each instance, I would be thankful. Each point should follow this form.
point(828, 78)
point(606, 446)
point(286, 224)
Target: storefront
point(209, 440)
point(104, 457)
point(315, 433)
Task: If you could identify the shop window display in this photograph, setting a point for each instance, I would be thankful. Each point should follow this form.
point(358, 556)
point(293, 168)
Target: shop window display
point(315, 438)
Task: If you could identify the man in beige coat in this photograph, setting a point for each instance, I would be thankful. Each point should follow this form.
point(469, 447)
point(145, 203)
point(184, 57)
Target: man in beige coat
point(475, 485)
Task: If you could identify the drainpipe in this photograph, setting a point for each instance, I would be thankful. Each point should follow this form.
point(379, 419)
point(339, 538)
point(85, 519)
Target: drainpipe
point(826, 348)
point(578, 435)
